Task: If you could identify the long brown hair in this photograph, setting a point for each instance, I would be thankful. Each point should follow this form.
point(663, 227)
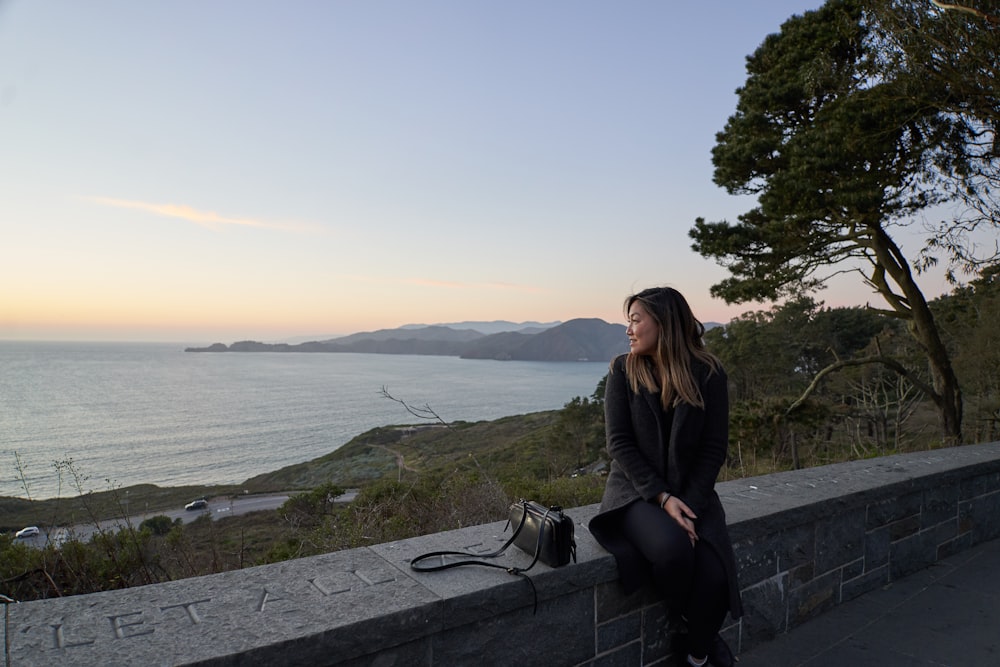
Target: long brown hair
point(668, 369)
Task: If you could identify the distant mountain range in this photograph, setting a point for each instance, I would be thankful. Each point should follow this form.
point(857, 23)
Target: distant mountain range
point(492, 327)
point(496, 326)
point(585, 339)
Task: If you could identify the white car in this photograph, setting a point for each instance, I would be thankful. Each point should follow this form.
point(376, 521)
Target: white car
point(30, 531)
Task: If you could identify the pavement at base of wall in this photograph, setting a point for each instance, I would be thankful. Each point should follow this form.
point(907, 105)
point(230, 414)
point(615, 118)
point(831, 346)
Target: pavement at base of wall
point(945, 615)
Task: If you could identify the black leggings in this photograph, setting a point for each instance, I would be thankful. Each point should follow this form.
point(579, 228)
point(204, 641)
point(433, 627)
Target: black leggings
point(692, 579)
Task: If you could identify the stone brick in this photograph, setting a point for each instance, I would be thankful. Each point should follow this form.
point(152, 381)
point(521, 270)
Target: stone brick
point(940, 504)
point(966, 518)
point(765, 612)
point(560, 634)
point(853, 569)
point(611, 602)
point(953, 546)
point(796, 546)
point(801, 574)
point(877, 545)
point(911, 554)
point(903, 528)
point(656, 633)
point(869, 581)
point(762, 558)
point(839, 540)
point(893, 508)
point(619, 631)
point(944, 531)
point(626, 655)
point(814, 598)
point(983, 511)
point(756, 560)
point(978, 485)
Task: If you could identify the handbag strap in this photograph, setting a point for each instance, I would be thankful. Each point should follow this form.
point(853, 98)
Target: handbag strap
point(519, 571)
point(494, 554)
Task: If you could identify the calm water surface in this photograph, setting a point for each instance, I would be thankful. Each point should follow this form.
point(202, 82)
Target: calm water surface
point(150, 413)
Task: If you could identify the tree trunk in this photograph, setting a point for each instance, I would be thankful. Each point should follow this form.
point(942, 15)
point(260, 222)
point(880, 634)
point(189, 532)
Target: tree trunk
point(912, 306)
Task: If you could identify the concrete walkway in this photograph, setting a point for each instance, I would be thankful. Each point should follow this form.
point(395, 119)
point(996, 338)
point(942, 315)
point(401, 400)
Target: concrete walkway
point(947, 614)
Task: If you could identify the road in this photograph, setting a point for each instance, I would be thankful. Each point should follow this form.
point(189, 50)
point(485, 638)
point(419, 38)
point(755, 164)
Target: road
point(218, 508)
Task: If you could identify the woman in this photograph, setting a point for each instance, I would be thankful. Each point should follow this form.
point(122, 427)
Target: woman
point(667, 426)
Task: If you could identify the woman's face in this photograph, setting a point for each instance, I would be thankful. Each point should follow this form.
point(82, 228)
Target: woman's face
point(642, 331)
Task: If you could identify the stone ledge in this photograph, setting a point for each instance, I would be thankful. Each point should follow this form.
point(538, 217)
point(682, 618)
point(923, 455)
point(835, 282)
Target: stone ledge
point(769, 497)
point(805, 540)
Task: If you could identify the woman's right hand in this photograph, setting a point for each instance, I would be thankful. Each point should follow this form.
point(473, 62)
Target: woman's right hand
point(683, 515)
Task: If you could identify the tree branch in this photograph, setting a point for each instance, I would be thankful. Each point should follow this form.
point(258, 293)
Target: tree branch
point(877, 359)
point(968, 10)
point(421, 413)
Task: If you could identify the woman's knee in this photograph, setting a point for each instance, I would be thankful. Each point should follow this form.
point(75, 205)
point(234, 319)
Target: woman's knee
point(658, 537)
point(672, 548)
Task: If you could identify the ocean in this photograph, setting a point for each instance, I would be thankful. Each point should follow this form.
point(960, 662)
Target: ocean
point(136, 413)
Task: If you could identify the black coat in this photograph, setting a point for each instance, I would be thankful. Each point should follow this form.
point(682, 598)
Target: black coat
point(642, 467)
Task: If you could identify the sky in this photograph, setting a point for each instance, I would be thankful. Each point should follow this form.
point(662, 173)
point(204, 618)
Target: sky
point(177, 170)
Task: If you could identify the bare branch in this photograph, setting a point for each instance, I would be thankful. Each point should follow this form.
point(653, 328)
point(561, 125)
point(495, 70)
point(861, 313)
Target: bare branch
point(421, 413)
point(878, 359)
point(21, 475)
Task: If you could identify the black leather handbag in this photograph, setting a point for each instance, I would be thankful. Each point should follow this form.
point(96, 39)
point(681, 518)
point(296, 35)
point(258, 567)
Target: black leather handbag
point(545, 533)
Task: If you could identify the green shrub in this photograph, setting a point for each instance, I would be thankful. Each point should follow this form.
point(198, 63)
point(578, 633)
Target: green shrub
point(158, 525)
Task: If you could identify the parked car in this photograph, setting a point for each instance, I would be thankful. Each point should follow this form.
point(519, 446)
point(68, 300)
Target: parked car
point(24, 533)
point(199, 504)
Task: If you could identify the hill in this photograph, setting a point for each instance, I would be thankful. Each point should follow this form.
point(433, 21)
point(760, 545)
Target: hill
point(493, 327)
point(501, 446)
point(576, 340)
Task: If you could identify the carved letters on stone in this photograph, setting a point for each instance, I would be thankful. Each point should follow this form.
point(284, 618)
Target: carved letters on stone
point(189, 608)
point(129, 624)
point(59, 638)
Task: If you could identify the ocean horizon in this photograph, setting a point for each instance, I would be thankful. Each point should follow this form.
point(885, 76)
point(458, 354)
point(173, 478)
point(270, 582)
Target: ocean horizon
point(120, 414)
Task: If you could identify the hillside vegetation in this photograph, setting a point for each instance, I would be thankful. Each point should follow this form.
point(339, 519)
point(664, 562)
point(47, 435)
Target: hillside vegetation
point(413, 479)
point(529, 445)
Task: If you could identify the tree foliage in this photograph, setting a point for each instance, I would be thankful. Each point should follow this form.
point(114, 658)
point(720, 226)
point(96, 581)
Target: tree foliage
point(309, 507)
point(843, 144)
point(777, 352)
point(970, 320)
point(949, 52)
point(773, 358)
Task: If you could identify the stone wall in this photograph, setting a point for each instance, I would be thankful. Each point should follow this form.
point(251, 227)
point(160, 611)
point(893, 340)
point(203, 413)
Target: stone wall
point(805, 541)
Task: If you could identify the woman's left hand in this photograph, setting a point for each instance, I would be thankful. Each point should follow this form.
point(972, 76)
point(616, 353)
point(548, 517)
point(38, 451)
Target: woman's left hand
point(683, 515)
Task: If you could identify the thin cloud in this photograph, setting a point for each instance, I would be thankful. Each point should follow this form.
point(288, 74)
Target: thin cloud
point(208, 219)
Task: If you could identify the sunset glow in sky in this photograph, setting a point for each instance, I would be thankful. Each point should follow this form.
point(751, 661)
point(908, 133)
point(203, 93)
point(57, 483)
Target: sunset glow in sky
point(219, 171)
